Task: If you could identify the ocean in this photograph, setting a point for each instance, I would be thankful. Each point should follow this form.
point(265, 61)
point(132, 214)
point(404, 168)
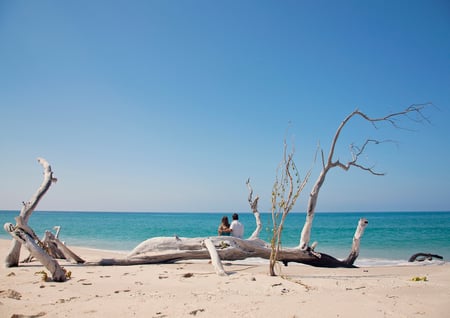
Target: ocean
point(390, 237)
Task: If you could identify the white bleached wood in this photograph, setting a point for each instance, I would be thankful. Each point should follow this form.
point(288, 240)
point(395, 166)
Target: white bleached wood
point(169, 250)
point(25, 239)
point(254, 206)
point(413, 112)
point(215, 259)
point(354, 253)
point(12, 259)
point(68, 254)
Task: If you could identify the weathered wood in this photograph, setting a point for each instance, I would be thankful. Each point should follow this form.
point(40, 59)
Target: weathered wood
point(170, 250)
point(25, 239)
point(354, 253)
point(312, 202)
point(420, 257)
point(173, 249)
point(356, 153)
point(215, 258)
point(50, 246)
point(60, 248)
point(254, 207)
point(12, 258)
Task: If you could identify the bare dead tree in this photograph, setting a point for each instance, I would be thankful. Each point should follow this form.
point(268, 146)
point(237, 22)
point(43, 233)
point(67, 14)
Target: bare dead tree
point(413, 113)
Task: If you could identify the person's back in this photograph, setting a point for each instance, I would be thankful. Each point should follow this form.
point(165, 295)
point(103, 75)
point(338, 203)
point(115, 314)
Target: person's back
point(237, 228)
point(224, 227)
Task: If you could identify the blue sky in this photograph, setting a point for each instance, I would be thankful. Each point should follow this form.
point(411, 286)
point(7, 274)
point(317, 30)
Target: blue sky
point(172, 105)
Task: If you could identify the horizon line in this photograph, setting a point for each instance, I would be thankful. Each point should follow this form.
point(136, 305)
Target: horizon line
point(219, 212)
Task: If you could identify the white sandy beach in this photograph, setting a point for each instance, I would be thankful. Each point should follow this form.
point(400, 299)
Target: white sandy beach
point(193, 289)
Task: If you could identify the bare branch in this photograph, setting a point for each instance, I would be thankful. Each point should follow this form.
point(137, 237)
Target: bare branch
point(413, 113)
point(356, 152)
point(254, 206)
point(253, 202)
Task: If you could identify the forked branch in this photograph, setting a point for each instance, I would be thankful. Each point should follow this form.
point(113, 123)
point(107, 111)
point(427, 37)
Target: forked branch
point(254, 206)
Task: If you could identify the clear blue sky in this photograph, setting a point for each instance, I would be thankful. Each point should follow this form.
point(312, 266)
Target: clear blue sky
point(172, 105)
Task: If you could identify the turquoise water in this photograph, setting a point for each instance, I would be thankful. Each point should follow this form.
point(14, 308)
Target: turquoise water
point(390, 236)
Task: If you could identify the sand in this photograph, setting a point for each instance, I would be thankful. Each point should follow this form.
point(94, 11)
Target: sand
point(193, 289)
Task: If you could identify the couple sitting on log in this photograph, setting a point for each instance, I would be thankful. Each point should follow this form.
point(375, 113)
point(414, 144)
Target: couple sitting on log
point(235, 229)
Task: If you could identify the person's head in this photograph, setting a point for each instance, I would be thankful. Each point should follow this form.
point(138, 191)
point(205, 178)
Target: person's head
point(235, 216)
point(225, 221)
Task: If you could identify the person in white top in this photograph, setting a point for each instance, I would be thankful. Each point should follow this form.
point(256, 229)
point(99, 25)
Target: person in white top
point(237, 228)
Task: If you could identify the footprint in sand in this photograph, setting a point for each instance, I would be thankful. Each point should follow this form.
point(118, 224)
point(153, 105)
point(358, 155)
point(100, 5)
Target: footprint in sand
point(10, 293)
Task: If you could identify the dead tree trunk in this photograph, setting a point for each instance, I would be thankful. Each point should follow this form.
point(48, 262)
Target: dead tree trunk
point(12, 259)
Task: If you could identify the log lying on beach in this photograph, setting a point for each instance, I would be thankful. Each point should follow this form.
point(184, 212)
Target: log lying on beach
point(173, 249)
point(420, 257)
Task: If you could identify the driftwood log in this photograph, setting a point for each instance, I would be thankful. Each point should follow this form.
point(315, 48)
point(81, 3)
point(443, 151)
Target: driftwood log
point(172, 249)
point(420, 257)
